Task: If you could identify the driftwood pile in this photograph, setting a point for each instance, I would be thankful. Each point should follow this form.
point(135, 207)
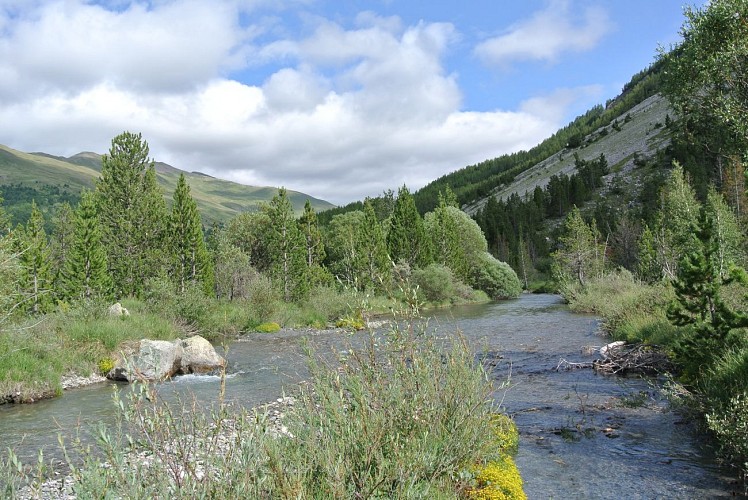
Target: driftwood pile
point(619, 358)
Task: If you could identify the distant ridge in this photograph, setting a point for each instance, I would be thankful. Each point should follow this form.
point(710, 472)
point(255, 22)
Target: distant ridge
point(27, 176)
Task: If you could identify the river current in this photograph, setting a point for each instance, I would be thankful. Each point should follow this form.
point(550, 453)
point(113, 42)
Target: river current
point(582, 435)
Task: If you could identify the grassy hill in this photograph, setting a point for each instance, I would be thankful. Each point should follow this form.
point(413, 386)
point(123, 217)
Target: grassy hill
point(51, 179)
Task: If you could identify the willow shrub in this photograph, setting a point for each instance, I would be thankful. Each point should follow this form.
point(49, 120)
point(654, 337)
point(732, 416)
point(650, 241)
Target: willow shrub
point(403, 416)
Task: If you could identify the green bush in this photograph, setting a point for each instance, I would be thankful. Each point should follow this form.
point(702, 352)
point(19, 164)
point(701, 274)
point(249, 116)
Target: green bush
point(436, 283)
point(730, 423)
point(268, 327)
point(262, 297)
point(494, 277)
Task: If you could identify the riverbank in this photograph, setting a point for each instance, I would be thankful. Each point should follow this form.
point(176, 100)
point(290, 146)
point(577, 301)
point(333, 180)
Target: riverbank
point(367, 416)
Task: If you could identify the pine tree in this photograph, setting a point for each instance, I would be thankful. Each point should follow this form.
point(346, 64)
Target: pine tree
point(34, 258)
point(313, 245)
point(63, 237)
point(133, 214)
point(85, 274)
point(374, 265)
point(286, 249)
point(407, 240)
point(190, 261)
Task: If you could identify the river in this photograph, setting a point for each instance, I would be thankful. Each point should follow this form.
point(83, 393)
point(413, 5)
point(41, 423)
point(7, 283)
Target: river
point(582, 435)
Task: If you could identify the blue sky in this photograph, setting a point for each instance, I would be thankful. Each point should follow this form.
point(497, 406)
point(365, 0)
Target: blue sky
point(340, 100)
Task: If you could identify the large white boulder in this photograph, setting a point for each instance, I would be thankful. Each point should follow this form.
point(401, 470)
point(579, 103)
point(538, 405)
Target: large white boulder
point(199, 356)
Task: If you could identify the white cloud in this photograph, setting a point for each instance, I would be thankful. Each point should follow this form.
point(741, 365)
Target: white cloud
point(346, 113)
point(546, 35)
point(553, 107)
point(72, 45)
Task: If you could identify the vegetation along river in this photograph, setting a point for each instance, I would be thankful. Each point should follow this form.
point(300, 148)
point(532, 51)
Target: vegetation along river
point(583, 435)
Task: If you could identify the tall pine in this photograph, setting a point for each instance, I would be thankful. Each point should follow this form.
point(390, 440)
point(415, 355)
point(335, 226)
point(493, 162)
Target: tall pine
point(34, 258)
point(190, 261)
point(407, 240)
point(313, 245)
point(286, 249)
point(84, 274)
point(133, 214)
point(375, 267)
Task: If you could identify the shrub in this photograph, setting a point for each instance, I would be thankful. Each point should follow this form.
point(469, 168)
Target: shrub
point(494, 277)
point(262, 297)
point(436, 283)
point(730, 423)
point(268, 327)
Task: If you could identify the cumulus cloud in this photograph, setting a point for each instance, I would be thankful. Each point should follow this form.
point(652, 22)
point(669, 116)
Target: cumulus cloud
point(546, 35)
point(346, 112)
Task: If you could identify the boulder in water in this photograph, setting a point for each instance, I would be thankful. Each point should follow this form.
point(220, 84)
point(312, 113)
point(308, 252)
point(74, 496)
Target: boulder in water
point(198, 356)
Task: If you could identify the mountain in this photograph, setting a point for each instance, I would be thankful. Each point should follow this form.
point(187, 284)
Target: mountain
point(52, 179)
point(634, 137)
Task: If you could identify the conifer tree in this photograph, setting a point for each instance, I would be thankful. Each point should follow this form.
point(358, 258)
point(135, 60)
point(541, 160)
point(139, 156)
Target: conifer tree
point(407, 240)
point(286, 249)
point(85, 274)
point(34, 258)
point(132, 213)
point(375, 267)
point(190, 261)
point(63, 237)
point(313, 245)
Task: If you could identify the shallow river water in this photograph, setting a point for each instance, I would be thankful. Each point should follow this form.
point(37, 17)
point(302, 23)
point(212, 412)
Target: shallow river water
point(583, 435)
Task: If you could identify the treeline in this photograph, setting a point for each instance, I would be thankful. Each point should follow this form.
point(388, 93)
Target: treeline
point(515, 228)
point(122, 241)
point(19, 197)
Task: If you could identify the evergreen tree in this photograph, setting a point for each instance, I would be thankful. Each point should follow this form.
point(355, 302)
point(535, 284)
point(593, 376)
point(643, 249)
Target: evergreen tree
point(407, 240)
point(133, 214)
point(4, 220)
point(63, 237)
point(190, 258)
point(85, 274)
point(374, 266)
point(286, 249)
point(34, 258)
point(314, 246)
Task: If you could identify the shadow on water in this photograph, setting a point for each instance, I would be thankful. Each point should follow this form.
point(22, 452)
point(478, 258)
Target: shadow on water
point(583, 435)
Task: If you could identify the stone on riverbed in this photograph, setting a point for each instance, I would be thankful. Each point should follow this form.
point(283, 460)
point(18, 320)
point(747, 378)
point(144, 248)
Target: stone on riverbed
point(198, 356)
point(157, 360)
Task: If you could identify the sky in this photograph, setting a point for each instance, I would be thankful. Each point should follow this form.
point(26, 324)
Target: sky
point(337, 99)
